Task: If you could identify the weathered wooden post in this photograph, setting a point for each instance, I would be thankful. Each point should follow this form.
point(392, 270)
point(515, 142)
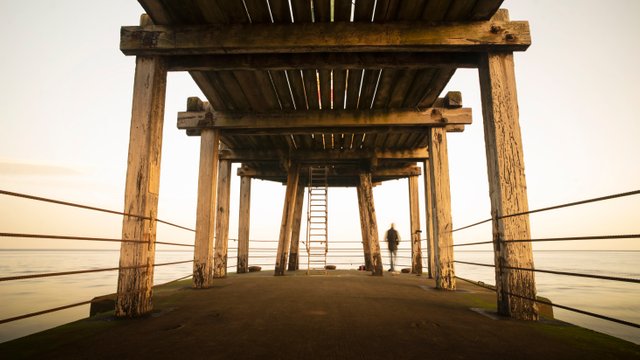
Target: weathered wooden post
point(429, 218)
point(243, 225)
point(364, 227)
point(222, 220)
point(206, 213)
point(507, 184)
point(370, 213)
point(443, 239)
point(142, 187)
point(414, 214)
point(294, 253)
point(284, 242)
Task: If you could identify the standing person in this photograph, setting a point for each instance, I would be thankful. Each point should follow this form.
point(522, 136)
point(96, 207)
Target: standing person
point(393, 239)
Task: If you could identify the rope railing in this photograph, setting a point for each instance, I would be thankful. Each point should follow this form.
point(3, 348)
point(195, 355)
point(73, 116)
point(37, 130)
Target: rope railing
point(87, 207)
point(86, 238)
point(560, 206)
point(541, 301)
point(35, 276)
point(64, 307)
point(568, 238)
point(601, 277)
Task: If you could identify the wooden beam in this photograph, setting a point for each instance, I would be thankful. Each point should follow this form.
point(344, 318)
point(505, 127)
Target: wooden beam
point(440, 188)
point(284, 241)
point(414, 215)
point(507, 187)
point(244, 225)
point(429, 212)
point(336, 172)
point(206, 213)
point(370, 214)
point(294, 252)
point(324, 156)
point(480, 36)
point(364, 227)
point(222, 220)
point(141, 188)
point(324, 120)
point(323, 61)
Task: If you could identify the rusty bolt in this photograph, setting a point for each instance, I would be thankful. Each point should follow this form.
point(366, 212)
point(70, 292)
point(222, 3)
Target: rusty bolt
point(495, 29)
point(510, 37)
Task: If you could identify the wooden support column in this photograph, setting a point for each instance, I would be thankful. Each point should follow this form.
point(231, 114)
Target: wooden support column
point(370, 213)
point(443, 238)
point(294, 253)
point(243, 225)
point(414, 214)
point(222, 220)
point(142, 187)
point(429, 219)
point(284, 242)
point(206, 214)
point(507, 186)
point(364, 226)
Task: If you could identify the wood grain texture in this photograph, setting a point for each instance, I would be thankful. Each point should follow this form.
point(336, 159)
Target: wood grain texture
point(142, 187)
point(284, 241)
point(294, 252)
point(507, 186)
point(220, 254)
point(442, 226)
point(371, 220)
point(429, 211)
point(414, 219)
point(206, 213)
point(244, 222)
point(325, 37)
point(321, 119)
point(364, 228)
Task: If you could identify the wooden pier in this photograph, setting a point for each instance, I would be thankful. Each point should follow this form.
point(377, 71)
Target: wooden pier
point(344, 315)
point(351, 86)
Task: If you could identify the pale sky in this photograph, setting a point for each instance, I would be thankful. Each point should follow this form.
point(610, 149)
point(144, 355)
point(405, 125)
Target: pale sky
point(65, 103)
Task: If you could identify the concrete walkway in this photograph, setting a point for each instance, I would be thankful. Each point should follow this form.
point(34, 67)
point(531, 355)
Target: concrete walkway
point(344, 315)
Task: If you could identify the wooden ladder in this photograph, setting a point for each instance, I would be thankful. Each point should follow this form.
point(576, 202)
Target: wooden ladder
point(317, 214)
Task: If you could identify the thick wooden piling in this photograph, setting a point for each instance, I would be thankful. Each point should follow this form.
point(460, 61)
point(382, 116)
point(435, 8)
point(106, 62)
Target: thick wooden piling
point(294, 252)
point(244, 225)
point(370, 213)
point(142, 187)
point(414, 214)
point(429, 219)
point(206, 213)
point(507, 185)
point(284, 241)
point(443, 239)
point(222, 220)
point(364, 227)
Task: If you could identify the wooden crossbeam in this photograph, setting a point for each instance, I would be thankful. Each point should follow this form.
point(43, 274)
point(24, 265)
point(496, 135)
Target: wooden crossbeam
point(477, 36)
point(336, 172)
point(320, 121)
point(321, 61)
point(315, 156)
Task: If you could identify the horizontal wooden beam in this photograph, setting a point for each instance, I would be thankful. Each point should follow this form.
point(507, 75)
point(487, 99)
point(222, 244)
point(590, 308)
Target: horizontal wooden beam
point(335, 172)
point(322, 61)
point(323, 156)
point(478, 36)
point(323, 120)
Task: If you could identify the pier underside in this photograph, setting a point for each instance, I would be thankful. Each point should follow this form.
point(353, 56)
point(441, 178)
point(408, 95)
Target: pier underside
point(346, 315)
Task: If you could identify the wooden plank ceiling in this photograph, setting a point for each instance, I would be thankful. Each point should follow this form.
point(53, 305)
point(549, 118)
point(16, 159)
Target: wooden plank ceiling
point(323, 87)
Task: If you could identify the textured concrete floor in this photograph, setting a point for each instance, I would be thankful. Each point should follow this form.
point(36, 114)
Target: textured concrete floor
point(344, 315)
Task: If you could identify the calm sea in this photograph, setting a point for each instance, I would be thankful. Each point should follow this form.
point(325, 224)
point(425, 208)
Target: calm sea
point(610, 298)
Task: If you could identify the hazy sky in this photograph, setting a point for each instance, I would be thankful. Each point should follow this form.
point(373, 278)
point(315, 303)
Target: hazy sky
point(65, 102)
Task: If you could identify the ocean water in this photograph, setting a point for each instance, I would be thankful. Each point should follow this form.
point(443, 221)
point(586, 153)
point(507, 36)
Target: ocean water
point(610, 298)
